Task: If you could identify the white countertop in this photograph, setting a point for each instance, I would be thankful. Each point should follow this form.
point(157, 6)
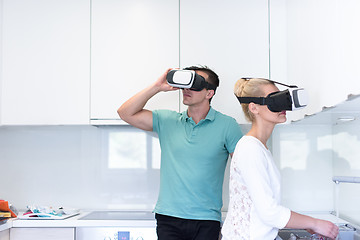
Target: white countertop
point(75, 221)
point(6, 225)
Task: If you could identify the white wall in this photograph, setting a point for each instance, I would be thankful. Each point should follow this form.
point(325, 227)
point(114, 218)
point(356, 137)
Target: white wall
point(118, 167)
point(304, 156)
point(74, 167)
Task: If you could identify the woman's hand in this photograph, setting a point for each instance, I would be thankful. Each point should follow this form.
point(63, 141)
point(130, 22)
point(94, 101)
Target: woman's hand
point(326, 228)
point(313, 225)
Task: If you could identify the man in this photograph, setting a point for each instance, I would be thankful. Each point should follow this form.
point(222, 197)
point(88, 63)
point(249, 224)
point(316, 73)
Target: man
point(195, 146)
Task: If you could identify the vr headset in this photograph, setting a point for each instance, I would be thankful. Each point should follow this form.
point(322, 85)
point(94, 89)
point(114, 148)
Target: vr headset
point(188, 79)
point(290, 99)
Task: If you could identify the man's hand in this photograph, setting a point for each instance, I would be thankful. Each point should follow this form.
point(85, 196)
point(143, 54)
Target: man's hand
point(162, 84)
point(133, 112)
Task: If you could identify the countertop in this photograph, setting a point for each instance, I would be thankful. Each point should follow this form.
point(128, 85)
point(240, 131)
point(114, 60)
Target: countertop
point(6, 225)
point(76, 221)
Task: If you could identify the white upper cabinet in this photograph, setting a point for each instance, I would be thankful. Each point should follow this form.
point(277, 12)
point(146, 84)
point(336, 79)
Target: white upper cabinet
point(132, 43)
point(1, 59)
point(232, 38)
point(315, 45)
point(45, 62)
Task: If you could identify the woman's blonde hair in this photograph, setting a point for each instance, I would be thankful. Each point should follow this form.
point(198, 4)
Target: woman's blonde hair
point(246, 87)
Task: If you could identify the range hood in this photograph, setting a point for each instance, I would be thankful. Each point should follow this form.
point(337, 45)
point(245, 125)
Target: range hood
point(343, 113)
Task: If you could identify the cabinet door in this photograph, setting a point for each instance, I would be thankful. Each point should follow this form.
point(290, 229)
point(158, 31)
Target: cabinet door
point(46, 62)
point(5, 235)
point(232, 38)
point(132, 43)
point(317, 48)
point(42, 233)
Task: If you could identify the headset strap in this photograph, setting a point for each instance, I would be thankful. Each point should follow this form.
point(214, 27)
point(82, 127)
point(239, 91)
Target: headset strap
point(283, 84)
point(257, 100)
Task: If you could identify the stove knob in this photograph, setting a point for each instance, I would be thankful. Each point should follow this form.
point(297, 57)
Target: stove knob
point(139, 238)
point(107, 238)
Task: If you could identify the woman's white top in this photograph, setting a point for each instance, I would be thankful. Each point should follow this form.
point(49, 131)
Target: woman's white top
point(254, 210)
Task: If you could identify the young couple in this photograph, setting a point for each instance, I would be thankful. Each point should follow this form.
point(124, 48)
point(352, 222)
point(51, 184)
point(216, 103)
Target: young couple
point(195, 146)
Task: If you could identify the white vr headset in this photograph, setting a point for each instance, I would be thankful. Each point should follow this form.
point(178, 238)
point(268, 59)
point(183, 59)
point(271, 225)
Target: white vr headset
point(290, 99)
point(187, 79)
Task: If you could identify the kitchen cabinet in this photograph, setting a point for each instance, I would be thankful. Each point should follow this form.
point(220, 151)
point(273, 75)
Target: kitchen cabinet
point(232, 39)
point(80, 62)
point(1, 62)
point(45, 62)
point(5, 234)
point(42, 233)
point(132, 44)
point(315, 45)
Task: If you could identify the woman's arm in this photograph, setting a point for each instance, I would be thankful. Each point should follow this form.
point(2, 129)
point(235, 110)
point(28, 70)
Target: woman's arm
point(322, 227)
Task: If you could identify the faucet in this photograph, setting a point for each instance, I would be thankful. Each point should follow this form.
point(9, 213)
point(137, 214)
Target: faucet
point(345, 179)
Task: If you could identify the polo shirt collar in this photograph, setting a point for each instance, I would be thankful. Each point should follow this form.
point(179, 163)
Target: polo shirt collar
point(210, 116)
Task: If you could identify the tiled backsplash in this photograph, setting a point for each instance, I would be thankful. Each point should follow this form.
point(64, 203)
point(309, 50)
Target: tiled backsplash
point(304, 157)
point(117, 167)
point(79, 166)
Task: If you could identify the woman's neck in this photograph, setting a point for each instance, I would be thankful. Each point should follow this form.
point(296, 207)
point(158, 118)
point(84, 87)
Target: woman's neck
point(261, 131)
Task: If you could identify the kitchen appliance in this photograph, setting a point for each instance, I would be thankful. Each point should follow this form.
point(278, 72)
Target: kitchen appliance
point(118, 225)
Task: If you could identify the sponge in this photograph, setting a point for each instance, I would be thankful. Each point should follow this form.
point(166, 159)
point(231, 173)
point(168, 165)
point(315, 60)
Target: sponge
point(5, 214)
point(4, 207)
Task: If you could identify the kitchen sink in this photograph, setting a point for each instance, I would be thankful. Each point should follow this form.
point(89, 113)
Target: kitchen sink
point(347, 232)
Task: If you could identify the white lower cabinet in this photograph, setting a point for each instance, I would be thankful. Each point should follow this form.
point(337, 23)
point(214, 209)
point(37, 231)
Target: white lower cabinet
point(42, 234)
point(5, 235)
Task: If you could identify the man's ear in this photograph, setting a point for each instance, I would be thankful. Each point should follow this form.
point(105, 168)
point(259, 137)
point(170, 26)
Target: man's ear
point(210, 93)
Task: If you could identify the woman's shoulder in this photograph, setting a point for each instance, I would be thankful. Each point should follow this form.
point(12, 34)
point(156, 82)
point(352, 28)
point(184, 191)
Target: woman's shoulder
point(249, 147)
point(250, 142)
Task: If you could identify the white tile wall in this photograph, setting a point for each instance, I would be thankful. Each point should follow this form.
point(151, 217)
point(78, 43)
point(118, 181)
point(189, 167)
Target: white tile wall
point(77, 167)
point(304, 157)
point(117, 167)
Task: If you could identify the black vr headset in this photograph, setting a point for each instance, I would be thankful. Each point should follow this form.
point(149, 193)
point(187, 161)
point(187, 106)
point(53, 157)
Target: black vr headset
point(188, 79)
point(290, 99)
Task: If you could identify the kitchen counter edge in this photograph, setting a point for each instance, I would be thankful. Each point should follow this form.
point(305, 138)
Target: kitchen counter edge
point(76, 221)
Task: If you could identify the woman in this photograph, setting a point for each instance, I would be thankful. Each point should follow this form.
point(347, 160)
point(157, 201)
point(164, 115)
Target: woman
point(254, 210)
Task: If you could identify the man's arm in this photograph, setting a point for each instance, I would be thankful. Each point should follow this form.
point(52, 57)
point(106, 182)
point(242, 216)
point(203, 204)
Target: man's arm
point(133, 112)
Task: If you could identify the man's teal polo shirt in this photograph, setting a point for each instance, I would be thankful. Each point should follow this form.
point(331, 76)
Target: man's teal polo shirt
point(193, 161)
